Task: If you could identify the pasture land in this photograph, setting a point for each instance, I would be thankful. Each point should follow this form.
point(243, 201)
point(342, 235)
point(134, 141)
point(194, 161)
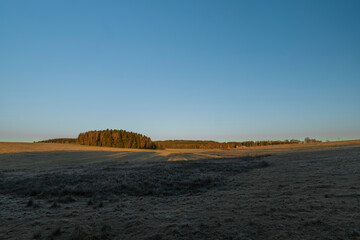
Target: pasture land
point(60, 191)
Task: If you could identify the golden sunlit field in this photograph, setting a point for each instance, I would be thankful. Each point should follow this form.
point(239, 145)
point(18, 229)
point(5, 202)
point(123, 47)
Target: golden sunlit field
point(68, 191)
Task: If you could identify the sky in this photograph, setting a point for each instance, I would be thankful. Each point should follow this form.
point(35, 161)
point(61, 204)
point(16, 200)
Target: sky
point(203, 69)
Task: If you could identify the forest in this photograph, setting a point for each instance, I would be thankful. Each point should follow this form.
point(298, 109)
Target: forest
point(115, 138)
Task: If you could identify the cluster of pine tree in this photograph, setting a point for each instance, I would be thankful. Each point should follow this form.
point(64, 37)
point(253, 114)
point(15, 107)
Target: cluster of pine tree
point(115, 138)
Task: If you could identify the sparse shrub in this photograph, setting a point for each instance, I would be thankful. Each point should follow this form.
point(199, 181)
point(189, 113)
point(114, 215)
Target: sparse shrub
point(54, 205)
point(264, 164)
point(34, 192)
point(56, 232)
point(156, 237)
point(314, 221)
point(30, 202)
point(105, 228)
point(37, 235)
point(106, 232)
point(80, 233)
point(66, 199)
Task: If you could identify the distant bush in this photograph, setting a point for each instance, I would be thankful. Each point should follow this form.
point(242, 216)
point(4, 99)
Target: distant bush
point(309, 140)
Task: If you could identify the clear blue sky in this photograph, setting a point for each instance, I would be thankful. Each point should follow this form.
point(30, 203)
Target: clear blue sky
point(220, 70)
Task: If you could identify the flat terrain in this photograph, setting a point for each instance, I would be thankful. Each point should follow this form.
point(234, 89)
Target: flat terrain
point(59, 191)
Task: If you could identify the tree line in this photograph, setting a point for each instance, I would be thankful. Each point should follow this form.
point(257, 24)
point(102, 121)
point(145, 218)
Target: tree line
point(125, 139)
point(115, 138)
point(193, 144)
point(60, 140)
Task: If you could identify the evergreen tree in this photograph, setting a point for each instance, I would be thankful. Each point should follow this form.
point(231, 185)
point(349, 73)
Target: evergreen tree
point(115, 138)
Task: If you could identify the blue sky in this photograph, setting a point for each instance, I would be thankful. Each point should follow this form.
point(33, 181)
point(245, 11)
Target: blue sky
point(219, 70)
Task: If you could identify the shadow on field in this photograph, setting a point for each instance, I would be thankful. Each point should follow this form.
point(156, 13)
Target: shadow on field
point(119, 178)
point(62, 158)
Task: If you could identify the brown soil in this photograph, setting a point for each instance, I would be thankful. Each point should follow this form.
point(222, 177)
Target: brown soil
point(58, 191)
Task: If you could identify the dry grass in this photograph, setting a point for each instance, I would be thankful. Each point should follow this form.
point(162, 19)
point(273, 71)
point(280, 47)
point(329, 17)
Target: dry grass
point(28, 155)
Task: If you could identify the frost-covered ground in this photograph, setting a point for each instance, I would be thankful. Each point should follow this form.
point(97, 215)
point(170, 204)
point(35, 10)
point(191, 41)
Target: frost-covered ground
point(54, 191)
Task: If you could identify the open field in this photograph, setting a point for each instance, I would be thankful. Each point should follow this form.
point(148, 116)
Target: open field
point(59, 191)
